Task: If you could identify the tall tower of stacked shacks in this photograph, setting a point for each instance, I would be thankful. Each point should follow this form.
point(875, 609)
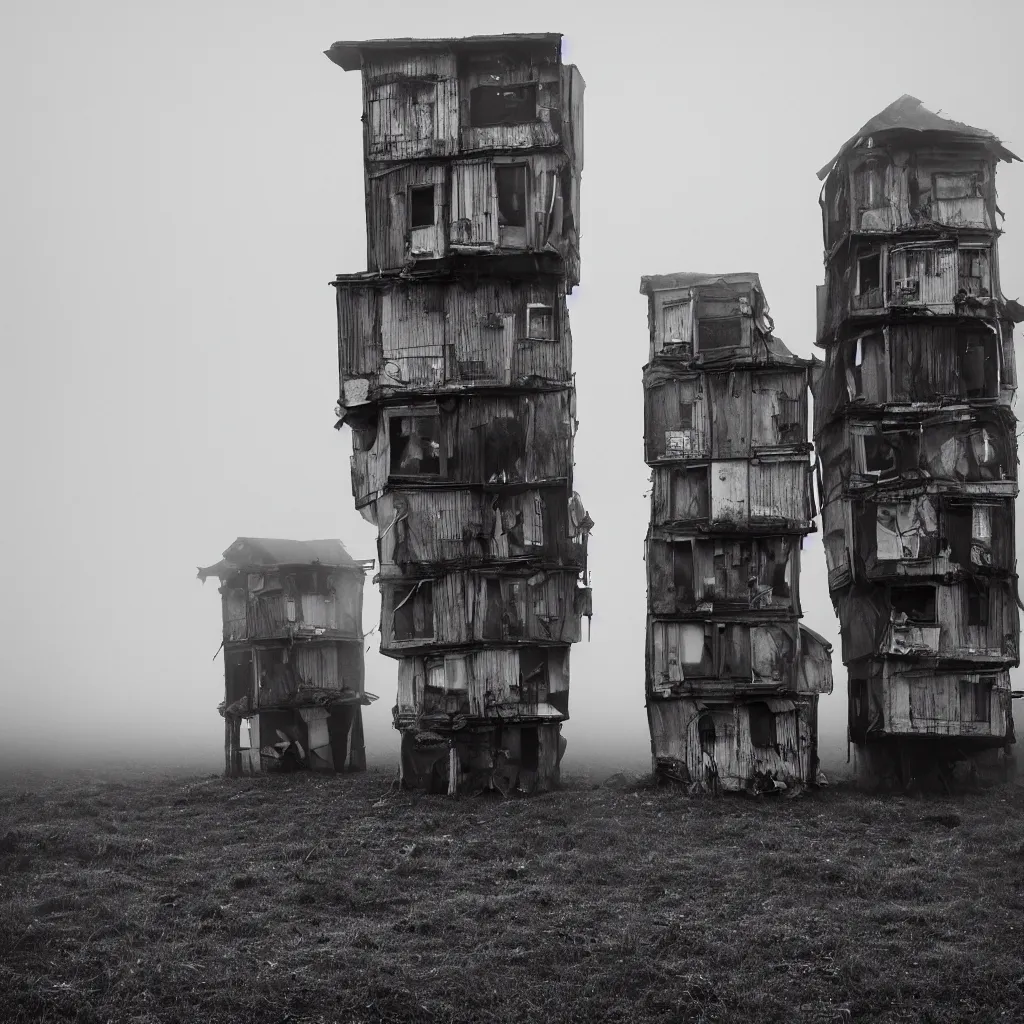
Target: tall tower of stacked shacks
point(917, 441)
point(293, 655)
point(456, 380)
point(732, 677)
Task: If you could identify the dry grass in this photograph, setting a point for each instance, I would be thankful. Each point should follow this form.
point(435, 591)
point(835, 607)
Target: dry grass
point(331, 899)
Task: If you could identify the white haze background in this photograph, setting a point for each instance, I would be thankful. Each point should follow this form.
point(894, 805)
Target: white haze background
point(182, 181)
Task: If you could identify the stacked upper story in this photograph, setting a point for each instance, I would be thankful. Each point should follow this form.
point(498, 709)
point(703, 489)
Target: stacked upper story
point(725, 411)
point(473, 148)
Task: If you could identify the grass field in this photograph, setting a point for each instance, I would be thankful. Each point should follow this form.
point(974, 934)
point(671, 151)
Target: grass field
point(301, 898)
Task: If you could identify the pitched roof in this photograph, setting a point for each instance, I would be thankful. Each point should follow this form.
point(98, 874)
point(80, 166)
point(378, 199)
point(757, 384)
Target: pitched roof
point(909, 114)
point(263, 552)
point(348, 54)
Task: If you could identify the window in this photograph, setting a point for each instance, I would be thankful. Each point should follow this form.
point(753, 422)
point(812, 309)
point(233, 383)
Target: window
point(973, 273)
point(879, 456)
point(540, 322)
point(706, 732)
point(510, 182)
point(682, 573)
point(977, 603)
point(917, 603)
point(502, 104)
point(413, 614)
point(869, 368)
point(415, 445)
point(869, 273)
point(762, 725)
point(975, 701)
point(716, 334)
point(421, 206)
point(502, 620)
point(957, 186)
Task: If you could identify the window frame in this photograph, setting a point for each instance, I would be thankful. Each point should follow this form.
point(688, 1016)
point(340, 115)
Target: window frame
point(415, 413)
point(530, 336)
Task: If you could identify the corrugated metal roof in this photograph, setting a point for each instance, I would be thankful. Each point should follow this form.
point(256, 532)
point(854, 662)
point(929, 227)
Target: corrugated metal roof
point(264, 552)
point(909, 114)
point(348, 54)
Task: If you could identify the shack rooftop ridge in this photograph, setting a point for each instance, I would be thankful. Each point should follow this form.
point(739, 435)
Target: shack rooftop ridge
point(348, 53)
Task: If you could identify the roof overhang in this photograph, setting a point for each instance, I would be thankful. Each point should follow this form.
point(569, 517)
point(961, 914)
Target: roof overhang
point(348, 54)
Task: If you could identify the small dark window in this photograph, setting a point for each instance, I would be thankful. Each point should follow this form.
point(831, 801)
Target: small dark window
point(415, 445)
point(762, 725)
point(492, 610)
point(879, 456)
point(511, 187)
point(682, 573)
point(421, 206)
point(502, 104)
point(724, 333)
point(917, 603)
point(706, 732)
point(685, 416)
point(529, 750)
point(869, 273)
point(977, 604)
point(414, 611)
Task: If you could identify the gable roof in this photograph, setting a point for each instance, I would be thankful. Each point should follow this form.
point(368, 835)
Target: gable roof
point(348, 54)
point(263, 552)
point(909, 114)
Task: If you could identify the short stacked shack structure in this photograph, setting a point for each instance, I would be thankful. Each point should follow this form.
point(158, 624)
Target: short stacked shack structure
point(732, 677)
point(917, 441)
point(293, 655)
point(456, 379)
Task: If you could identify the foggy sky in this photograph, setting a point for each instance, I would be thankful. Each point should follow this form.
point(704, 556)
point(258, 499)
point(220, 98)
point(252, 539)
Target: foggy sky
point(182, 182)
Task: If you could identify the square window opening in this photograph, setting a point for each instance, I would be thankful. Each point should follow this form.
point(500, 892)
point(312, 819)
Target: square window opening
point(415, 445)
point(491, 105)
point(421, 206)
point(917, 603)
point(510, 183)
point(726, 332)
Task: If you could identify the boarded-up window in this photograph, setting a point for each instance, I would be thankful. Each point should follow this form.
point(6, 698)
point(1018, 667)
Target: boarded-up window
point(510, 183)
point(973, 277)
point(677, 328)
point(762, 725)
point(977, 603)
point(421, 206)
point(540, 322)
point(415, 445)
point(502, 104)
point(917, 603)
point(975, 701)
point(957, 186)
point(414, 611)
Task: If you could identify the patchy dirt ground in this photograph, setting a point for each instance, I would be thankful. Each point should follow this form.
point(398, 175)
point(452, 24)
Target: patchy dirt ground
point(340, 899)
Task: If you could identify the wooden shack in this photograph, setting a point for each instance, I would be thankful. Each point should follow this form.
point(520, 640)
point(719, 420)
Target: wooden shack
point(917, 441)
point(293, 655)
point(733, 679)
point(455, 377)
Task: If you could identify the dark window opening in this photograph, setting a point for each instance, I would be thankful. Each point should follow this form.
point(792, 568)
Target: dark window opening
point(415, 445)
point(879, 456)
point(421, 206)
point(869, 273)
point(957, 529)
point(979, 366)
point(540, 323)
point(682, 573)
point(492, 610)
point(917, 603)
point(716, 334)
point(533, 675)
point(502, 104)
point(706, 732)
point(977, 604)
point(414, 612)
point(529, 750)
point(686, 415)
point(762, 725)
point(504, 451)
point(511, 187)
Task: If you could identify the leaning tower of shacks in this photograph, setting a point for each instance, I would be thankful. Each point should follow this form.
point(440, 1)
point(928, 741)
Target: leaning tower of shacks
point(917, 441)
point(732, 677)
point(456, 381)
